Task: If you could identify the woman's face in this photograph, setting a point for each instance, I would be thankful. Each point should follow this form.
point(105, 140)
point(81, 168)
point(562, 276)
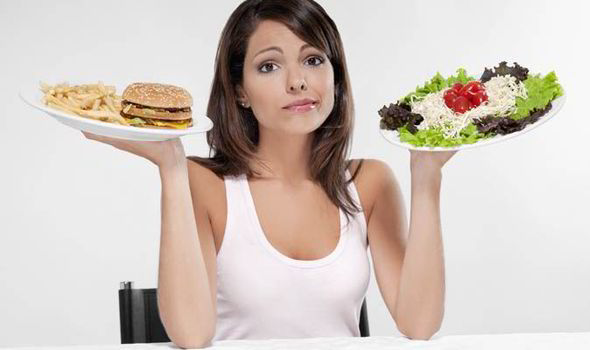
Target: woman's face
point(281, 70)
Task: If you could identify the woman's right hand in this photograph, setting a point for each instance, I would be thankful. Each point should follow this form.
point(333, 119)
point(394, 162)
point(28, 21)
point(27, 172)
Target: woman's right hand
point(161, 153)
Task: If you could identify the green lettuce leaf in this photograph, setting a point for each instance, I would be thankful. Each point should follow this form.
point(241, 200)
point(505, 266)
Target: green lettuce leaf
point(461, 77)
point(540, 92)
point(136, 121)
point(436, 138)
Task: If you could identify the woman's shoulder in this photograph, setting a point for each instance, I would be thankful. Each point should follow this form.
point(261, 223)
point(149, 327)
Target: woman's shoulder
point(373, 171)
point(206, 186)
point(203, 172)
point(370, 176)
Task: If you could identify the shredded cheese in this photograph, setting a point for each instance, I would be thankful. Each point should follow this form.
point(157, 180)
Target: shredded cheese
point(502, 92)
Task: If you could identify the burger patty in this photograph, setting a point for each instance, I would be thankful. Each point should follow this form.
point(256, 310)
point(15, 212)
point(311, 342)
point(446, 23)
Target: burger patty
point(124, 104)
point(154, 120)
point(131, 109)
point(167, 124)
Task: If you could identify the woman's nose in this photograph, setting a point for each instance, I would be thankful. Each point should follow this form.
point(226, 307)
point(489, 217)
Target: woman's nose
point(297, 82)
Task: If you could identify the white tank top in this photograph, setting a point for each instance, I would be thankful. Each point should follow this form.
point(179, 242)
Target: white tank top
point(263, 294)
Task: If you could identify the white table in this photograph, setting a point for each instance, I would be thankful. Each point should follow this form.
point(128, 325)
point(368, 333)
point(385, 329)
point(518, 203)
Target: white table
point(540, 341)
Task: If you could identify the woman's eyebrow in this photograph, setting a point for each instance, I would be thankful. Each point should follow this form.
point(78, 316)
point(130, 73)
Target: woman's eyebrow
point(276, 48)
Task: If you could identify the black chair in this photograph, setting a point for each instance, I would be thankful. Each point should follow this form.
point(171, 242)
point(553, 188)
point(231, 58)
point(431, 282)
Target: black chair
point(364, 320)
point(141, 323)
point(139, 316)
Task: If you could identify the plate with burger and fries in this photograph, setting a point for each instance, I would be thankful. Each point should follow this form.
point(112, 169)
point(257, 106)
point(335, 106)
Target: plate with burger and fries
point(144, 111)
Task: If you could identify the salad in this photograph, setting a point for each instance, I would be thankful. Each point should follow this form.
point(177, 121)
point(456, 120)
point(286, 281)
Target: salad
point(463, 110)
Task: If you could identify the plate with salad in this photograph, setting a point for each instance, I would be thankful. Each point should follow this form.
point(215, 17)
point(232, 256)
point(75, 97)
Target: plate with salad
point(462, 111)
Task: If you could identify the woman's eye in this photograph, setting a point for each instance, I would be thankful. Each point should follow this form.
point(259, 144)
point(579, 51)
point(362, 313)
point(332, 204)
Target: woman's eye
point(269, 66)
point(315, 60)
point(266, 67)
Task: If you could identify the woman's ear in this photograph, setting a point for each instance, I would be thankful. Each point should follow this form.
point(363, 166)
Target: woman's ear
point(242, 97)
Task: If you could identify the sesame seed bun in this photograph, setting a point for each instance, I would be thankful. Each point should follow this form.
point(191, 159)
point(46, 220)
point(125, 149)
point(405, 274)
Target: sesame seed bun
point(158, 95)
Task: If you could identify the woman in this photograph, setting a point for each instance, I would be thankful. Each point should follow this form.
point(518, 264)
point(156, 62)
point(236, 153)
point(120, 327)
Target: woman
point(293, 216)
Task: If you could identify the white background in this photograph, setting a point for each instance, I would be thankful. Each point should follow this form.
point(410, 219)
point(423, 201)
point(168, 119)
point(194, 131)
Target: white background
point(77, 217)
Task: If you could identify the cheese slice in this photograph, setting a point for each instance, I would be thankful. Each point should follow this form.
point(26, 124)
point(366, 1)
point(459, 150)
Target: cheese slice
point(171, 124)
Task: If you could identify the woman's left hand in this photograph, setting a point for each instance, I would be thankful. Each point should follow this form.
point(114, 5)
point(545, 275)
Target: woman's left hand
point(429, 161)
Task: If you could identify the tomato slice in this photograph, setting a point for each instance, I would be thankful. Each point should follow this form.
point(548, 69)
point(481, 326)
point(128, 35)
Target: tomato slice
point(449, 97)
point(457, 87)
point(471, 88)
point(479, 97)
point(462, 105)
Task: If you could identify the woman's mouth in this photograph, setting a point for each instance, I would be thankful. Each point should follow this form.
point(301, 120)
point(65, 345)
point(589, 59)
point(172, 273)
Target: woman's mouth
point(301, 106)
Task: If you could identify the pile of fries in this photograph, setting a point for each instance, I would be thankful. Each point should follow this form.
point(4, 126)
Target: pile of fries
point(93, 101)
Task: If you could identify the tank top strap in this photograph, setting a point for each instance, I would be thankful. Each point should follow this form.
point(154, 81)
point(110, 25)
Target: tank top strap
point(237, 228)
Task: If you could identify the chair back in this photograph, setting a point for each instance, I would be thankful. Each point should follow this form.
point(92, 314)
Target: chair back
point(139, 316)
point(364, 320)
point(141, 323)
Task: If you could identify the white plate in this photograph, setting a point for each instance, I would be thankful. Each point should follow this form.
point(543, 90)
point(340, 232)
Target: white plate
point(392, 136)
point(32, 95)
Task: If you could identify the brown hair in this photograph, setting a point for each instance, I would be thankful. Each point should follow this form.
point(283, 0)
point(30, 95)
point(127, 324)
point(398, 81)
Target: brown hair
point(234, 136)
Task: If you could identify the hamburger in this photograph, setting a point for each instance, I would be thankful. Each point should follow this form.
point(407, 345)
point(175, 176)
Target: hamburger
point(159, 106)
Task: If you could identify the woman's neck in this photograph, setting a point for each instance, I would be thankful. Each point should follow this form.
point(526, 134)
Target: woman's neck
point(286, 156)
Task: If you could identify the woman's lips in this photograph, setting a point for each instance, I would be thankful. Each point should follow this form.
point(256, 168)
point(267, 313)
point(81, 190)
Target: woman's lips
point(302, 108)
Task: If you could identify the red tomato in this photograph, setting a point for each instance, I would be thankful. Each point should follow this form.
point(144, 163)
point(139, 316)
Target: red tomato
point(457, 87)
point(449, 97)
point(478, 83)
point(462, 105)
point(471, 88)
point(479, 98)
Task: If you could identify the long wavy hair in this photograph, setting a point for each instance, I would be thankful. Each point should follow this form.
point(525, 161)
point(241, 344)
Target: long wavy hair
point(233, 140)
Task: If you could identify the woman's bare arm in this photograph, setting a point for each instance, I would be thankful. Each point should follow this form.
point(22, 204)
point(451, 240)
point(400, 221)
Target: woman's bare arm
point(185, 294)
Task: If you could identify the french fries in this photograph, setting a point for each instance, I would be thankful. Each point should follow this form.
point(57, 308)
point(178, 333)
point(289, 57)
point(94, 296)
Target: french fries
point(93, 101)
